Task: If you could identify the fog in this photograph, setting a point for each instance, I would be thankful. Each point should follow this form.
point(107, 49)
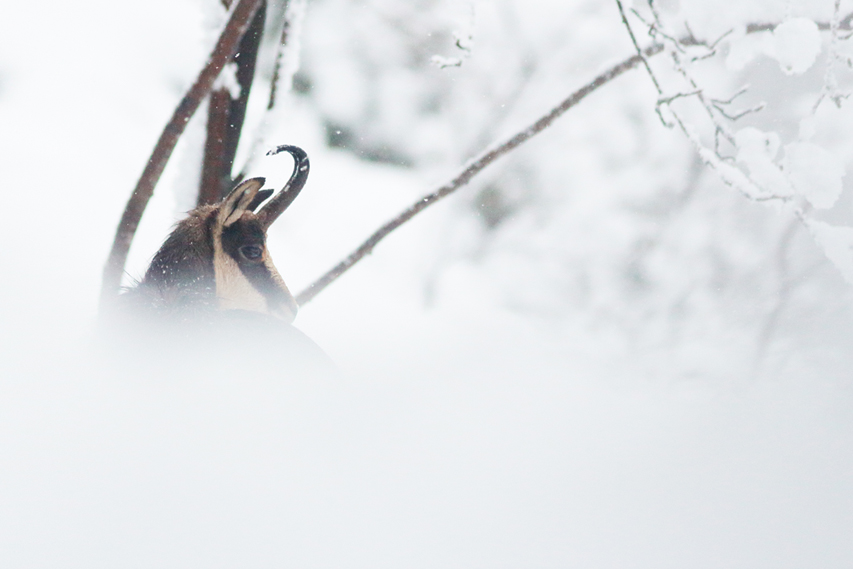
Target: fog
point(597, 354)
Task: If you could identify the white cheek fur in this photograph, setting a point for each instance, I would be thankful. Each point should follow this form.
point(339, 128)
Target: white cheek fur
point(233, 289)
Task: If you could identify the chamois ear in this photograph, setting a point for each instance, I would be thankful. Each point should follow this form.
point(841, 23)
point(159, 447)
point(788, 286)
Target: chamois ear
point(238, 201)
point(260, 198)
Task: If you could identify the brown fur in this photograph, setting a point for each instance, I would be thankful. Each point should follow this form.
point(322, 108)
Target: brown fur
point(216, 258)
point(181, 273)
point(203, 265)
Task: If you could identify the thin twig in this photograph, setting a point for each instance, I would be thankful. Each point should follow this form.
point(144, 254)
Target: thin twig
point(279, 54)
point(830, 88)
point(471, 170)
point(287, 54)
point(225, 48)
point(637, 47)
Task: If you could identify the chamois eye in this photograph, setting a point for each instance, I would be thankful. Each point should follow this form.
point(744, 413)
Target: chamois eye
point(251, 252)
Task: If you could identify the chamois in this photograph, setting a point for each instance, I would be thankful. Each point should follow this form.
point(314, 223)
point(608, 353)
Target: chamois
point(216, 258)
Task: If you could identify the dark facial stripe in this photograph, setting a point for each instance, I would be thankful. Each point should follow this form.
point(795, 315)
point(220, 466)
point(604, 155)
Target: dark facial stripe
point(248, 232)
point(266, 283)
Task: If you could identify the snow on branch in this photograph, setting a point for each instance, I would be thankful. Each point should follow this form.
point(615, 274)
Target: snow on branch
point(806, 176)
point(287, 56)
point(837, 244)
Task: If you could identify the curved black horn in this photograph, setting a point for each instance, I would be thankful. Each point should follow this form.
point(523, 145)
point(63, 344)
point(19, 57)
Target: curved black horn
point(276, 206)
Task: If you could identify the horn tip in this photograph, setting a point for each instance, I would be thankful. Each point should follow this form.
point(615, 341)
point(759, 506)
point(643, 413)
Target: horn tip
point(294, 150)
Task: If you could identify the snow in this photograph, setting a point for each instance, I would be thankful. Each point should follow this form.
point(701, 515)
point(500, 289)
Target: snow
point(441, 62)
point(744, 48)
point(596, 355)
point(228, 80)
point(758, 151)
point(837, 242)
point(815, 172)
point(797, 43)
point(294, 16)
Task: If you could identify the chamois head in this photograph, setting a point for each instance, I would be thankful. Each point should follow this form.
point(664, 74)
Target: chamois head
point(216, 258)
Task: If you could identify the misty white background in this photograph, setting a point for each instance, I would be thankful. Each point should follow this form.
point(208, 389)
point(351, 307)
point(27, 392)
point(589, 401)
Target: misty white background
point(596, 355)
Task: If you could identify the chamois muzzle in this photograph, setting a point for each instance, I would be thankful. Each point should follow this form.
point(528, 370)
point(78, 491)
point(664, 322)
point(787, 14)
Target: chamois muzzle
point(276, 206)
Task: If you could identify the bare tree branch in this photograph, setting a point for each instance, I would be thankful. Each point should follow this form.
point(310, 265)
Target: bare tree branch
point(283, 69)
point(226, 46)
point(225, 117)
point(246, 60)
point(215, 166)
point(470, 171)
point(282, 44)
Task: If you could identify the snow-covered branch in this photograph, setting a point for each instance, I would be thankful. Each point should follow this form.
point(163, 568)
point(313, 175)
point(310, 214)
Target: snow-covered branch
point(807, 176)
